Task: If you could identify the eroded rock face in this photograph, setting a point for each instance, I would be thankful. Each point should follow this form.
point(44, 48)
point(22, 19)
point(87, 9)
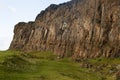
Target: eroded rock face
point(118, 75)
point(79, 28)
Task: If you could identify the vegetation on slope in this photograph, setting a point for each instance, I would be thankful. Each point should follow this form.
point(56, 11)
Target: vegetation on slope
point(16, 65)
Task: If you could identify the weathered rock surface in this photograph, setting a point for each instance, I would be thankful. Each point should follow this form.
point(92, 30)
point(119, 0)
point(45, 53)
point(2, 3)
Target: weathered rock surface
point(79, 28)
point(118, 75)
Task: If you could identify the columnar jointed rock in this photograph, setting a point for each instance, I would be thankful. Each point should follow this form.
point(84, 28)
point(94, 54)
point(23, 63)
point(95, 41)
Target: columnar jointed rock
point(79, 28)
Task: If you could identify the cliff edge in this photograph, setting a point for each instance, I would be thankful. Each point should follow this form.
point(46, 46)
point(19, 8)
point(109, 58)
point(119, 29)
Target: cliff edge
point(78, 28)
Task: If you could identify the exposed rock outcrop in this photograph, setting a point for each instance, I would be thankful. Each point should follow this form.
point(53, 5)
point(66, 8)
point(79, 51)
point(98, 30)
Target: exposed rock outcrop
point(79, 28)
point(118, 75)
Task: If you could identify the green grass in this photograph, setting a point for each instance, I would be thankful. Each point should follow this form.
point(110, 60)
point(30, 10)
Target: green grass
point(106, 66)
point(16, 65)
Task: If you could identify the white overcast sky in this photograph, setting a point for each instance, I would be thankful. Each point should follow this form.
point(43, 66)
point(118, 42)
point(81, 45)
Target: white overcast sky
point(14, 11)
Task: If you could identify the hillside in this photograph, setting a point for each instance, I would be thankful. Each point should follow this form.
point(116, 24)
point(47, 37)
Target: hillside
point(17, 65)
point(79, 28)
point(76, 40)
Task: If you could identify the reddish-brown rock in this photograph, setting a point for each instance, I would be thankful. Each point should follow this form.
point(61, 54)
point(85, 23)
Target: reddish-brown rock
point(118, 75)
point(79, 28)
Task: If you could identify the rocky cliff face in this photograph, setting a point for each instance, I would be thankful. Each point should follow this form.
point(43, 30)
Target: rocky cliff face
point(79, 28)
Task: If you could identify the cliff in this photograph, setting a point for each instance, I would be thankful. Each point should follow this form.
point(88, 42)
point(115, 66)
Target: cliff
point(79, 28)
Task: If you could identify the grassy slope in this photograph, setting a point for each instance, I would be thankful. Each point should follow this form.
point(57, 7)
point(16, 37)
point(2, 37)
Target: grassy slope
point(15, 65)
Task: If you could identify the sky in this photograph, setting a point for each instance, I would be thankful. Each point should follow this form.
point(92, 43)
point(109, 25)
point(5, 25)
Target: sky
point(14, 11)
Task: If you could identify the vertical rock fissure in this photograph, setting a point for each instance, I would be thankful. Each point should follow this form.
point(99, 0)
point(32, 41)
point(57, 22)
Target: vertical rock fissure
point(92, 27)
